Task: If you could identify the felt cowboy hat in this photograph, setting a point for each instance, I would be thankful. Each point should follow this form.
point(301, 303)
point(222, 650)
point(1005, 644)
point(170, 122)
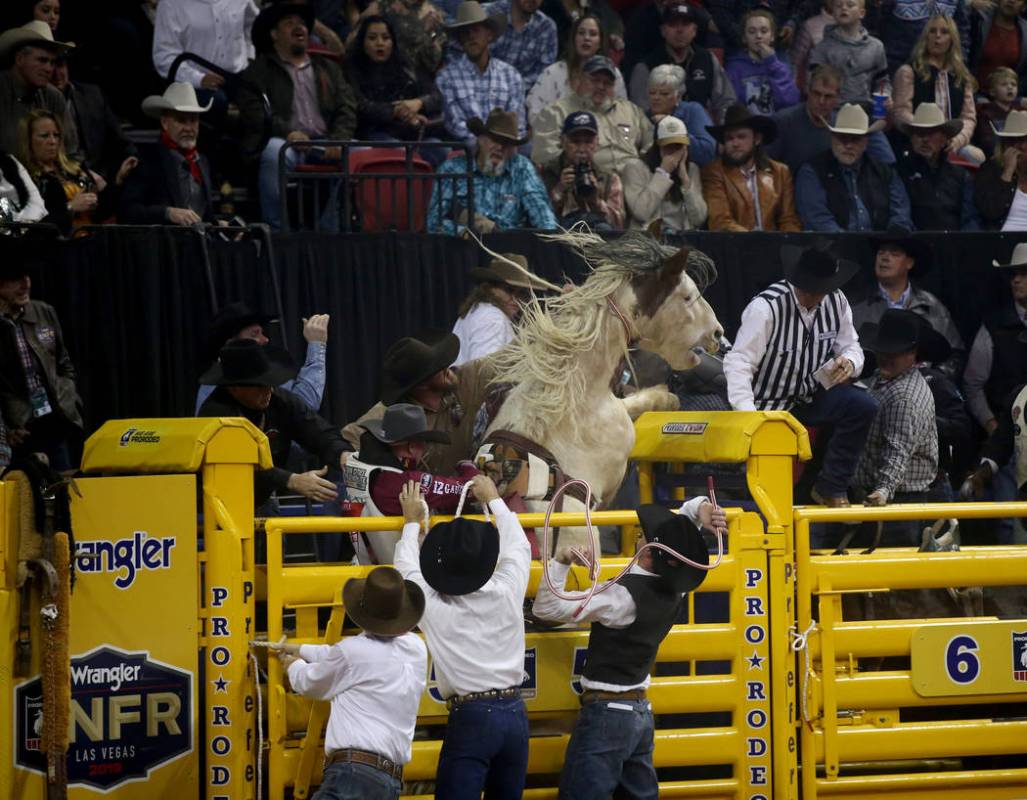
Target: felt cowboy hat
point(180, 97)
point(901, 331)
point(383, 603)
point(815, 268)
point(511, 269)
point(1015, 126)
point(271, 15)
point(244, 362)
point(471, 12)
point(918, 249)
point(501, 125)
point(413, 359)
point(227, 324)
point(852, 120)
point(1017, 261)
point(739, 116)
point(403, 422)
point(36, 34)
point(680, 534)
point(929, 117)
point(459, 557)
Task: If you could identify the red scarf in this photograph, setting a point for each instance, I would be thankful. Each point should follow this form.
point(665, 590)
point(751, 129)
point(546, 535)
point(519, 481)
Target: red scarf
point(192, 158)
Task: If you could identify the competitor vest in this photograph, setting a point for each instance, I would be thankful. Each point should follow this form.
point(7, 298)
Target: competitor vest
point(794, 352)
point(625, 656)
point(358, 475)
point(1018, 411)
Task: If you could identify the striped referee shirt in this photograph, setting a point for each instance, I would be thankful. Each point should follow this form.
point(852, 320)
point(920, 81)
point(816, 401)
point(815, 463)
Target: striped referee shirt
point(780, 344)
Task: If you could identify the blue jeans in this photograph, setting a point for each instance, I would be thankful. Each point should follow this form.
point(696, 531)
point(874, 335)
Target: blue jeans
point(269, 186)
point(611, 750)
point(486, 748)
point(849, 411)
point(357, 782)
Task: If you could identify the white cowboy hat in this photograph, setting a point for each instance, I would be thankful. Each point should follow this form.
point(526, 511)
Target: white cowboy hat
point(471, 12)
point(36, 33)
point(1015, 126)
point(852, 120)
point(1017, 260)
point(929, 116)
point(180, 97)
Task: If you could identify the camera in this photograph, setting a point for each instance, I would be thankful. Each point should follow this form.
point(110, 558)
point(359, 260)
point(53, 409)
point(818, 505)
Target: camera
point(582, 186)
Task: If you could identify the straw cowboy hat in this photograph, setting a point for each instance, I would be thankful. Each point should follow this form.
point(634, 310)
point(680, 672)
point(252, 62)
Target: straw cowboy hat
point(929, 117)
point(501, 125)
point(901, 331)
point(244, 362)
point(1015, 126)
point(270, 16)
point(471, 12)
point(816, 269)
point(180, 97)
point(36, 33)
point(459, 557)
point(1019, 258)
point(852, 120)
point(403, 422)
point(511, 269)
point(414, 359)
point(383, 603)
point(739, 116)
point(680, 534)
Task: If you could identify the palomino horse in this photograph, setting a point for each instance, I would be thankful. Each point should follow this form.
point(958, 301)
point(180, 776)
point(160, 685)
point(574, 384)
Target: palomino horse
point(562, 362)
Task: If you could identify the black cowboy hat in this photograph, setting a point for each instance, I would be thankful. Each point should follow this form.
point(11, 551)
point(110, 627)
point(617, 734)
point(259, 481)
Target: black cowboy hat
point(739, 116)
point(403, 422)
point(901, 331)
point(414, 359)
point(459, 557)
point(680, 534)
point(244, 362)
point(227, 323)
point(918, 249)
point(270, 15)
point(816, 268)
point(383, 603)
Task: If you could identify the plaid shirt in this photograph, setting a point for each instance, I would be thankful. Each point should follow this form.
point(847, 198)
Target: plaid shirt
point(515, 199)
point(467, 93)
point(528, 51)
point(901, 453)
point(28, 362)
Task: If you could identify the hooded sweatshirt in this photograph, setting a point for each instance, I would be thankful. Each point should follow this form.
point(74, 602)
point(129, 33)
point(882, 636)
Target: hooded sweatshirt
point(763, 86)
point(861, 61)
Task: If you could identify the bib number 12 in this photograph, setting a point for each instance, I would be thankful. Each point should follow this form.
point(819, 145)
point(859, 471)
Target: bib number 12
point(961, 661)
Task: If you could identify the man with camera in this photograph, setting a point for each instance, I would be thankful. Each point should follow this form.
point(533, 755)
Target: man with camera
point(578, 189)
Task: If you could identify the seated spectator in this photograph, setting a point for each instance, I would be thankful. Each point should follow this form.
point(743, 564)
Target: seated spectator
point(763, 83)
point(48, 11)
point(1001, 91)
point(475, 83)
point(745, 190)
point(566, 12)
point(845, 189)
point(309, 96)
point(73, 194)
point(802, 130)
point(624, 131)
point(936, 74)
point(666, 185)
point(529, 42)
point(20, 200)
point(1000, 189)
point(25, 85)
point(905, 25)
point(1005, 445)
point(999, 38)
point(172, 184)
point(666, 88)
point(507, 190)
point(809, 36)
point(218, 32)
point(941, 195)
point(705, 80)
point(857, 55)
point(562, 78)
point(419, 30)
point(579, 190)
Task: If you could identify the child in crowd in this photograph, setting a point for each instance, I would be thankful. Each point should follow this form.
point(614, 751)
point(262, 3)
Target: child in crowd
point(1001, 87)
point(848, 46)
point(763, 83)
point(809, 36)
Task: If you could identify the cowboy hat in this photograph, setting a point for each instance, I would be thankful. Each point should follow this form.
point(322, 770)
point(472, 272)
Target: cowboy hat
point(852, 120)
point(501, 125)
point(403, 422)
point(471, 12)
point(180, 97)
point(816, 269)
point(383, 603)
point(32, 34)
point(929, 117)
point(270, 16)
point(459, 557)
point(227, 324)
point(244, 362)
point(739, 116)
point(413, 359)
point(902, 331)
point(511, 269)
point(680, 534)
point(1015, 126)
point(918, 249)
point(1017, 261)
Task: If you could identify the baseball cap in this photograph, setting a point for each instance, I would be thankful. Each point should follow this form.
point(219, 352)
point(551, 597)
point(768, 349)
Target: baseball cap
point(685, 12)
point(671, 130)
point(580, 121)
point(599, 64)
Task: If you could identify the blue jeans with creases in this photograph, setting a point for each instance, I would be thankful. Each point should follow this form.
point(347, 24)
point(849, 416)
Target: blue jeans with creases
point(346, 781)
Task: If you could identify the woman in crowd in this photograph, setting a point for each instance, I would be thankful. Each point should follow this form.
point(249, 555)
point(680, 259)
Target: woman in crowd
point(586, 38)
point(666, 88)
point(567, 13)
point(936, 74)
point(417, 27)
point(667, 185)
point(1000, 190)
point(20, 200)
point(763, 83)
point(19, 12)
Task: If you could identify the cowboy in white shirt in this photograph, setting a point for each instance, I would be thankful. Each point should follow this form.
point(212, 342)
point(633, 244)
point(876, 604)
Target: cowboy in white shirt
point(217, 30)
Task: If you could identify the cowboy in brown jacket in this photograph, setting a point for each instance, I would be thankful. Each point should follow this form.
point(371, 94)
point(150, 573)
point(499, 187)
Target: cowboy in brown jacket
point(743, 173)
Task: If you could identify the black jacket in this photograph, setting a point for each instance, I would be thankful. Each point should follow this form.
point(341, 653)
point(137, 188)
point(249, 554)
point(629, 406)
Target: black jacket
point(101, 145)
point(376, 89)
point(935, 193)
point(993, 195)
point(153, 187)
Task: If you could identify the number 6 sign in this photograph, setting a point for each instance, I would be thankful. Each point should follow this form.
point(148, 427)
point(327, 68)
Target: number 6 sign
point(961, 661)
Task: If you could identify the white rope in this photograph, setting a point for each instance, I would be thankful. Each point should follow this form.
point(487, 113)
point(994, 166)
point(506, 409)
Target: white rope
point(260, 716)
point(459, 506)
point(800, 644)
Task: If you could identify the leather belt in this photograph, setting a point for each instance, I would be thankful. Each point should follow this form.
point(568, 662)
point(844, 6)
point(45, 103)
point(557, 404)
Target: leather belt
point(595, 696)
point(366, 757)
point(489, 694)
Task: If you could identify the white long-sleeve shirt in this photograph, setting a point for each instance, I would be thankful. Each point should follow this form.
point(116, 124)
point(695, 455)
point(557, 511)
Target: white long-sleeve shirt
point(476, 640)
point(978, 371)
point(217, 30)
point(34, 208)
point(484, 330)
point(374, 685)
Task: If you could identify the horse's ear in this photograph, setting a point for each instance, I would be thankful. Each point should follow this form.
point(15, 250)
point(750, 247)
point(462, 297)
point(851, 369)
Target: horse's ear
point(676, 263)
point(655, 229)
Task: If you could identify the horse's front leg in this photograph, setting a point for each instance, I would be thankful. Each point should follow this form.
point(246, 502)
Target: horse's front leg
point(653, 398)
